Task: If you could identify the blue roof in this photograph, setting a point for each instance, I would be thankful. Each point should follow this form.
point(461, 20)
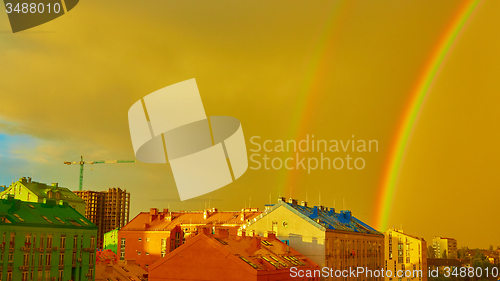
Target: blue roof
point(327, 218)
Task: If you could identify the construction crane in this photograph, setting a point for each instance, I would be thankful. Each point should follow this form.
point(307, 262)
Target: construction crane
point(81, 163)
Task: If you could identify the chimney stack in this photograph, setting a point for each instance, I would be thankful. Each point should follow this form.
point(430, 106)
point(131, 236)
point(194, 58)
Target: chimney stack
point(222, 232)
point(270, 235)
point(292, 201)
point(153, 214)
point(304, 203)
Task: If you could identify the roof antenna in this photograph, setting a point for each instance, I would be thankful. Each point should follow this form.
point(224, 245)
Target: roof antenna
point(306, 195)
point(320, 198)
point(343, 203)
point(250, 202)
point(270, 202)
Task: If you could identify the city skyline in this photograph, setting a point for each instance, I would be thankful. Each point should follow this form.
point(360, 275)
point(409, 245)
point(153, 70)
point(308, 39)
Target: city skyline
point(328, 69)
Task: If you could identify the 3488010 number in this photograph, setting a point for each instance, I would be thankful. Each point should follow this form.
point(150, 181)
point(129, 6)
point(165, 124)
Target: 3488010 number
point(33, 8)
point(471, 272)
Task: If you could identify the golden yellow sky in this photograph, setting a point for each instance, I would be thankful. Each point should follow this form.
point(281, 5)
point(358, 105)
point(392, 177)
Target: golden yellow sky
point(66, 87)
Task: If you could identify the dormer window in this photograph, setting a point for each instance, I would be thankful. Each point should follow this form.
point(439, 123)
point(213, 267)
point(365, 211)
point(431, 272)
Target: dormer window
point(49, 194)
point(58, 195)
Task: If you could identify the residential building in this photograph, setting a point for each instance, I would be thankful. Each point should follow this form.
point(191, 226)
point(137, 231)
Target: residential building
point(31, 191)
point(445, 247)
point(405, 252)
point(106, 209)
point(110, 241)
point(221, 256)
point(45, 241)
point(108, 267)
point(151, 236)
point(335, 240)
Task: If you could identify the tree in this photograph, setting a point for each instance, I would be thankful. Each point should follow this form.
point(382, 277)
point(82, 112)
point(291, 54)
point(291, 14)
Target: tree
point(444, 256)
point(430, 252)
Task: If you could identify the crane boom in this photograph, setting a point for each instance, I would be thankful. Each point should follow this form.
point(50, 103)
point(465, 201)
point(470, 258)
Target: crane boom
point(82, 163)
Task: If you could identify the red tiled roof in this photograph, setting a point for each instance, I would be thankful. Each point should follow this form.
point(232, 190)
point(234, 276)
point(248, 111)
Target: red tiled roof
point(254, 253)
point(166, 221)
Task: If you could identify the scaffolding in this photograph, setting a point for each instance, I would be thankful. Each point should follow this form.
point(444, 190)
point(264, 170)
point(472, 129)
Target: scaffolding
point(108, 210)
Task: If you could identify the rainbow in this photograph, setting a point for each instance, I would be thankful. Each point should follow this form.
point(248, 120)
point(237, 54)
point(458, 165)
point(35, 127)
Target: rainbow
point(310, 91)
point(417, 97)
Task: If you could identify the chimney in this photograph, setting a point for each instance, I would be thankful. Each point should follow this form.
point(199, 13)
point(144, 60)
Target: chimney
point(242, 233)
point(153, 214)
point(256, 243)
point(304, 203)
point(165, 211)
point(29, 180)
point(331, 212)
point(281, 199)
point(23, 180)
point(222, 232)
point(345, 216)
point(292, 201)
point(205, 214)
point(204, 230)
point(55, 184)
point(270, 235)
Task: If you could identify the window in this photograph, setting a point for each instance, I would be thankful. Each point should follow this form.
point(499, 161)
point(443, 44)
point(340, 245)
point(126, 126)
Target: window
point(42, 238)
point(63, 241)
point(40, 275)
point(75, 241)
point(40, 260)
point(91, 274)
point(147, 239)
point(91, 258)
point(163, 247)
point(139, 253)
point(12, 240)
point(11, 257)
point(61, 259)
point(48, 259)
point(147, 253)
point(9, 276)
point(92, 241)
point(49, 241)
point(25, 276)
point(122, 249)
point(26, 260)
point(140, 239)
point(47, 274)
point(61, 275)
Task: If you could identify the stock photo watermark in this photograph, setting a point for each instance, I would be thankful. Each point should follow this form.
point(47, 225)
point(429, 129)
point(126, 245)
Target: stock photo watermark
point(310, 153)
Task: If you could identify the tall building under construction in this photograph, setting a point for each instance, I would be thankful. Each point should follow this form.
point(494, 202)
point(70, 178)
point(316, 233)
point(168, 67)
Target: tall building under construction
point(107, 209)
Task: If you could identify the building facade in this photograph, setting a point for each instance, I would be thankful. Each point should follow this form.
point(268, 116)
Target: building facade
point(31, 191)
point(106, 209)
point(444, 247)
point(221, 256)
point(108, 267)
point(45, 241)
point(110, 241)
point(405, 252)
point(338, 241)
point(151, 236)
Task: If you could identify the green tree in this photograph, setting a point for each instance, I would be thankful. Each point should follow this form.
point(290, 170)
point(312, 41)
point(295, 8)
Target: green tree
point(444, 256)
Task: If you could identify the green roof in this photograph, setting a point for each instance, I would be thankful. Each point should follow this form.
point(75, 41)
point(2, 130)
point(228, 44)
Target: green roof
point(50, 214)
point(41, 189)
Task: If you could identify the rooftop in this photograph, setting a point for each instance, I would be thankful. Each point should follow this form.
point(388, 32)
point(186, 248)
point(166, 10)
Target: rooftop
point(257, 253)
point(42, 190)
point(322, 217)
point(166, 220)
point(31, 214)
